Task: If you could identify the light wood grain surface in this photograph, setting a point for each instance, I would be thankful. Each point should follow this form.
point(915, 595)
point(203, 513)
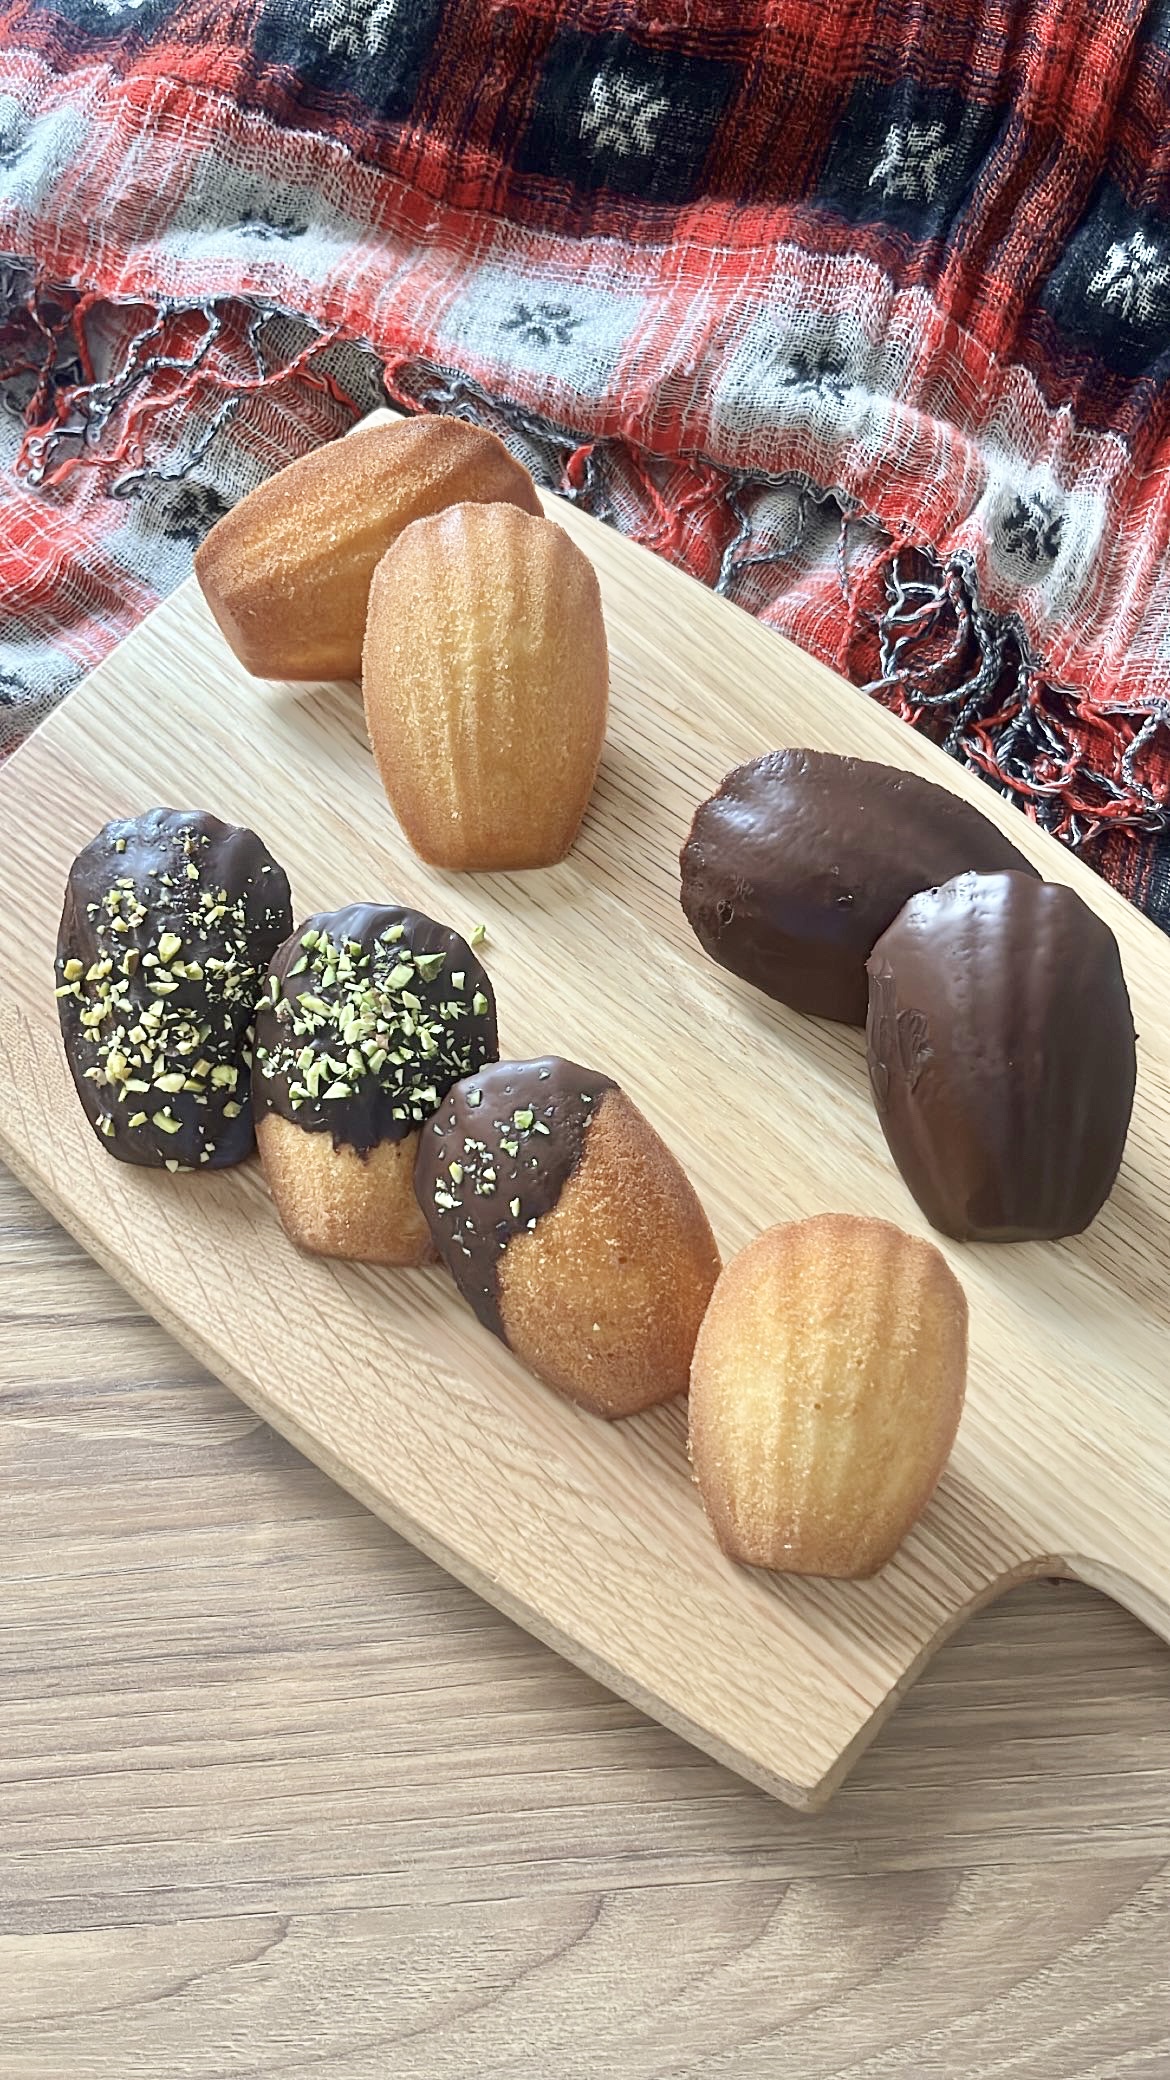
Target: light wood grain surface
point(278, 1797)
point(592, 1534)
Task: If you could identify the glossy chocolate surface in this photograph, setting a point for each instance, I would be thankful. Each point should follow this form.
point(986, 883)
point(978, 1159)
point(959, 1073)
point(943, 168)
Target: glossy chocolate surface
point(372, 1013)
point(496, 1156)
point(1001, 1055)
point(800, 860)
point(169, 922)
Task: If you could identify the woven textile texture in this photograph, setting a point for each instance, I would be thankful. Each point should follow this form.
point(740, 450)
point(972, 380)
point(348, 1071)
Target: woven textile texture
point(860, 312)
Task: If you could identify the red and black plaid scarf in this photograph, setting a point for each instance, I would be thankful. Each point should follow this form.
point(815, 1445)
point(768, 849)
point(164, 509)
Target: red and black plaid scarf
point(860, 312)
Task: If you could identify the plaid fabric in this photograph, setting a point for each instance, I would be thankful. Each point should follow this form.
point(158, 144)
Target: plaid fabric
point(859, 312)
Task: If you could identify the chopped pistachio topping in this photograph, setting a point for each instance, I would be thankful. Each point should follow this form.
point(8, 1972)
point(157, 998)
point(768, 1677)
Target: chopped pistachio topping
point(478, 935)
point(472, 1170)
point(379, 1022)
point(169, 994)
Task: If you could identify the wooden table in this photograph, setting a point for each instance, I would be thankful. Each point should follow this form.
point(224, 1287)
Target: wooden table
point(281, 1798)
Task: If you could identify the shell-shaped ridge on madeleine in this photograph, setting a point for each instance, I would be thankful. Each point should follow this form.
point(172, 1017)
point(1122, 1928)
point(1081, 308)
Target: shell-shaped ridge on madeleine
point(485, 679)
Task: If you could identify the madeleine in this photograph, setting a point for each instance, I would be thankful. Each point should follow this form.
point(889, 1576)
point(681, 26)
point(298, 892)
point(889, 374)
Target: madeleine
point(826, 1390)
point(287, 572)
point(485, 678)
point(571, 1230)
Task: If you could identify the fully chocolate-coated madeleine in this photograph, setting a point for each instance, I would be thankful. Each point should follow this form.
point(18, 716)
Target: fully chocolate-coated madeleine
point(1001, 1055)
point(797, 863)
point(371, 1014)
point(169, 922)
point(570, 1229)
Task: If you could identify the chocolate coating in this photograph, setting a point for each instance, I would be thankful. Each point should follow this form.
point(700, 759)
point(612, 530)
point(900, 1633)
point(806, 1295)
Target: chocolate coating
point(1001, 1055)
point(372, 1013)
point(514, 1134)
point(169, 922)
point(799, 861)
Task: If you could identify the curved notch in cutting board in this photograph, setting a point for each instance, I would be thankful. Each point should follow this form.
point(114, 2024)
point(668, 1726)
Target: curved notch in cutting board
point(592, 1535)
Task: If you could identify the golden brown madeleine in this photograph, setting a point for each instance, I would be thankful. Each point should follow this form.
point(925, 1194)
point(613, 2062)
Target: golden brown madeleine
point(371, 1015)
point(826, 1391)
point(570, 1229)
point(287, 572)
point(486, 682)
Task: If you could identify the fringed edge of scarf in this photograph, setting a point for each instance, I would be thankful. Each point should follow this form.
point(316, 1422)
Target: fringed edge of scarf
point(914, 633)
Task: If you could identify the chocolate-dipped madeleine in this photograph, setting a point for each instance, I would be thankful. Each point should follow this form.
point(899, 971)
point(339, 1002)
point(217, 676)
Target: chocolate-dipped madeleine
point(371, 1014)
point(1001, 1055)
point(797, 863)
point(169, 921)
point(570, 1229)
point(826, 1391)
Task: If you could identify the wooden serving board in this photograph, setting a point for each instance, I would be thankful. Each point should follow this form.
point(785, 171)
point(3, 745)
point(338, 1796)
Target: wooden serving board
point(592, 1535)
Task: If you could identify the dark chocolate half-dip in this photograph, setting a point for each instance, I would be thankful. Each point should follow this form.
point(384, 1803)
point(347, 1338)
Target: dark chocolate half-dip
point(496, 1156)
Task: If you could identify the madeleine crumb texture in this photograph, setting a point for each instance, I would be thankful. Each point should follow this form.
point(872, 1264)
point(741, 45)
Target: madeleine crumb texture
point(604, 1299)
point(486, 687)
point(334, 1202)
point(287, 572)
point(826, 1391)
